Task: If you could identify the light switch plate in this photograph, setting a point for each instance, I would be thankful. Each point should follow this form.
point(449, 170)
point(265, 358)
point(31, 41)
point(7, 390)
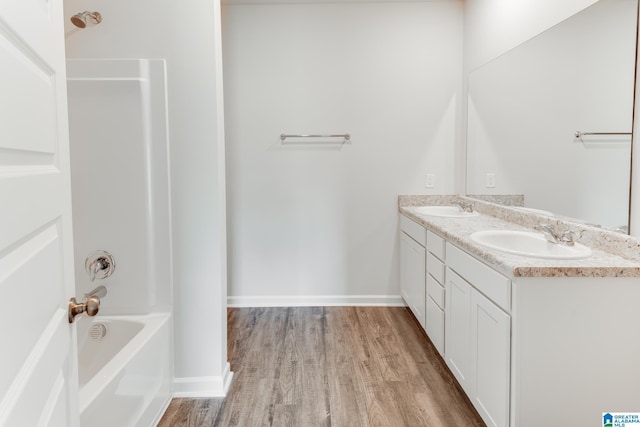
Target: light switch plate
point(430, 181)
point(491, 180)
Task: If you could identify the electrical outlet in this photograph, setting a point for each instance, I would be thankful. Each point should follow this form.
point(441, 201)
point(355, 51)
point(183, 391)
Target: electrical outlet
point(491, 180)
point(430, 181)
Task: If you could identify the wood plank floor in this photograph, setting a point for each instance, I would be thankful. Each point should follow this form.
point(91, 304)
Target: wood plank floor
point(330, 366)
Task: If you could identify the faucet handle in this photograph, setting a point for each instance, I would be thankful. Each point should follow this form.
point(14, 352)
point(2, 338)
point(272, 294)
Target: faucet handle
point(464, 206)
point(553, 235)
point(548, 231)
point(100, 265)
point(568, 238)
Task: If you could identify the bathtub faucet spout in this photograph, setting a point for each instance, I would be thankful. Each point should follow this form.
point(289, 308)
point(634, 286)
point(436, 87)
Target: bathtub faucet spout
point(99, 292)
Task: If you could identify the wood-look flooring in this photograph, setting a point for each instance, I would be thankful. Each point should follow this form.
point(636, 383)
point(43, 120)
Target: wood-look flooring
point(330, 366)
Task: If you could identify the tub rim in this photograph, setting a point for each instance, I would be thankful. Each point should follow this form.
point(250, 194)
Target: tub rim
point(152, 322)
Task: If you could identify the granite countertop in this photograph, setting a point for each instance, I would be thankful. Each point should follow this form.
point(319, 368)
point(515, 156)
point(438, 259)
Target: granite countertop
point(610, 250)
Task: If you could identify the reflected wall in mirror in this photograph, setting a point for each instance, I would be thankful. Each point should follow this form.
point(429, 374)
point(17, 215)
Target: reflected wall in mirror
point(526, 105)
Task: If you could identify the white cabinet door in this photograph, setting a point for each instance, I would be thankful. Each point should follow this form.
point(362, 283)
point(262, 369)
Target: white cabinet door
point(412, 276)
point(491, 354)
point(458, 330)
point(478, 348)
point(38, 374)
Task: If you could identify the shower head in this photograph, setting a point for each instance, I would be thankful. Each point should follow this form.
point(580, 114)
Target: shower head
point(80, 19)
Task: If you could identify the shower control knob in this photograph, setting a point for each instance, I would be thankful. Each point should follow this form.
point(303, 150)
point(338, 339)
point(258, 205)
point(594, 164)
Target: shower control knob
point(100, 265)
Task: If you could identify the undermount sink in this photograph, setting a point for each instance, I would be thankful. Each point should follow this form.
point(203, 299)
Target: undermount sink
point(526, 243)
point(445, 211)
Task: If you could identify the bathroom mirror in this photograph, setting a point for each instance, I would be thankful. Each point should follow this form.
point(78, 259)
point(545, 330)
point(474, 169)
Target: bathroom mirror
point(526, 106)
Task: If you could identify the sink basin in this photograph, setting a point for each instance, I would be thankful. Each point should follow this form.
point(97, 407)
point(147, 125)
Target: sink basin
point(445, 211)
point(530, 244)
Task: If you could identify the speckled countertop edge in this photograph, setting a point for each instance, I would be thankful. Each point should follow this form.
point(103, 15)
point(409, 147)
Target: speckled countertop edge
point(614, 254)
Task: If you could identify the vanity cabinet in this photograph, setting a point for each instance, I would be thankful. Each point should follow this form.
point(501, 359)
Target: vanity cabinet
point(541, 347)
point(413, 267)
point(463, 305)
point(478, 334)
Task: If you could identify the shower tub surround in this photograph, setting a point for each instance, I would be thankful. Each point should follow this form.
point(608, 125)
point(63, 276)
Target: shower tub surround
point(531, 341)
point(121, 204)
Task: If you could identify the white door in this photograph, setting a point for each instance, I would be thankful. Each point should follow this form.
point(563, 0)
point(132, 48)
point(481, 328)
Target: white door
point(38, 372)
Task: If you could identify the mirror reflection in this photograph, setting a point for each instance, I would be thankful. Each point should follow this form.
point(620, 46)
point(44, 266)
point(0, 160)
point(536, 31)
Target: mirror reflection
point(526, 106)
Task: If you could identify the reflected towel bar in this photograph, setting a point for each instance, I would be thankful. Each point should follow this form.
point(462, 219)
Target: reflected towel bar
point(284, 136)
point(579, 134)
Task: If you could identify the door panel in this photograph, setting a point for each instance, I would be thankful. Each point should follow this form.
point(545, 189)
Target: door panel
point(39, 384)
point(412, 259)
point(25, 77)
point(458, 330)
point(29, 202)
point(491, 351)
point(38, 373)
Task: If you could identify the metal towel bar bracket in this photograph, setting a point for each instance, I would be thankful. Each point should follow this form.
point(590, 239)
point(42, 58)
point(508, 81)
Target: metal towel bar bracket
point(346, 136)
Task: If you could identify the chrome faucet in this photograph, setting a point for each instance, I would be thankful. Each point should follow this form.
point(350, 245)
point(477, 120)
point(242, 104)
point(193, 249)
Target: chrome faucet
point(463, 206)
point(553, 235)
point(100, 265)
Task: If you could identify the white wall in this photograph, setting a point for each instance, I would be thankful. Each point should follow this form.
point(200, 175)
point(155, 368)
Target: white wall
point(186, 35)
point(493, 27)
point(317, 224)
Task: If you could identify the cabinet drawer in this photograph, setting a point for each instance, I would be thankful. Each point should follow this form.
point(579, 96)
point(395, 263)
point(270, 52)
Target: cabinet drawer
point(492, 284)
point(435, 291)
point(435, 267)
point(414, 230)
point(435, 325)
point(436, 245)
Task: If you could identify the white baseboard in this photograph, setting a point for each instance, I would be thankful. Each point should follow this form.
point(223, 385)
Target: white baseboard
point(315, 301)
point(216, 386)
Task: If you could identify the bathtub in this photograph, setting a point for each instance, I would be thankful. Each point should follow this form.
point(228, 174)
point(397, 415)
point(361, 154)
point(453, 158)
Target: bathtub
point(124, 369)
